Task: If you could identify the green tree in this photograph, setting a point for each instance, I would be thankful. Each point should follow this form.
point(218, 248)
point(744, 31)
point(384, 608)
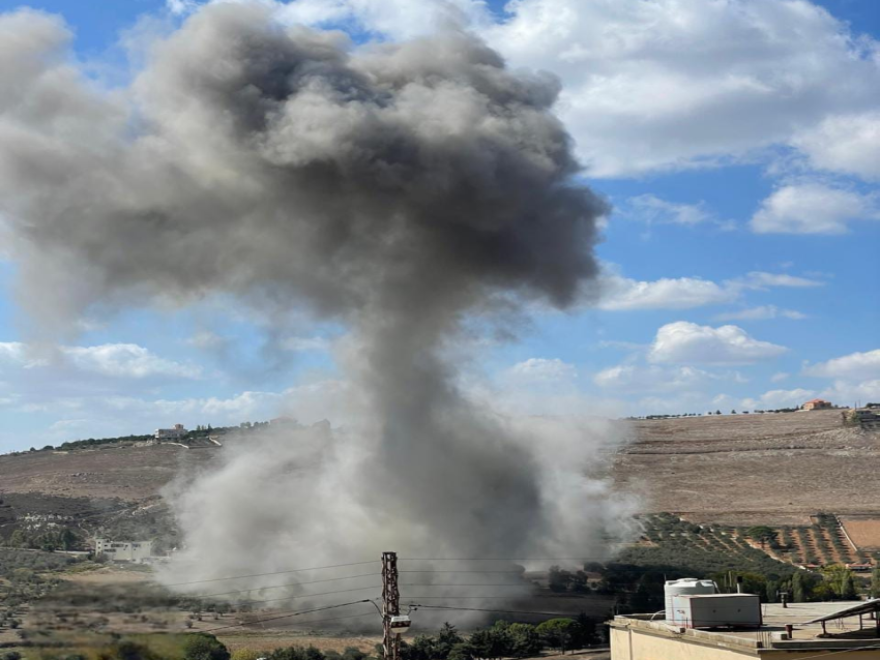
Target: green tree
point(525, 640)
point(462, 651)
point(447, 638)
point(875, 582)
point(770, 593)
point(558, 633)
point(801, 587)
point(128, 650)
point(201, 646)
point(494, 642)
point(558, 579)
point(289, 653)
point(588, 633)
point(763, 535)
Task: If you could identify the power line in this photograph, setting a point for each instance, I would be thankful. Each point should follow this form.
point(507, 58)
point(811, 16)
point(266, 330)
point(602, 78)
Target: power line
point(281, 586)
point(432, 571)
point(508, 597)
point(450, 584)
point(326, 593)
point(479, 609)
point(493, 559)
point(294, 570)
point(289, 615)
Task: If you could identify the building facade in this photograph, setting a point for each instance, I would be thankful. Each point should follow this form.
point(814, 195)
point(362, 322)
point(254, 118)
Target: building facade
point(171, 434)
point(134, 551)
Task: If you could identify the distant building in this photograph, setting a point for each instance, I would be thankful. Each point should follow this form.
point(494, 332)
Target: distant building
point(171, 434)
point(817, 404)
point(135, 551)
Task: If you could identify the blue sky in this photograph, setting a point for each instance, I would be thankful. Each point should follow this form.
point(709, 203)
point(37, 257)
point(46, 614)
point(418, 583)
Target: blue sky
point(740, 263)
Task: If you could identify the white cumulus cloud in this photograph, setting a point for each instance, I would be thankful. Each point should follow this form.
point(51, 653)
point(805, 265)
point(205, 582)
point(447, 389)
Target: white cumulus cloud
point(855, 366)
point(775, 399)
point(622, 293)
point(812, 208)
point(848, 143)
point(126, 361)
point(114, 360)
point(680, 83)
point(688, 343)
point(652, 209)
point(543, 370)
point(761, 313)
point(636, 378)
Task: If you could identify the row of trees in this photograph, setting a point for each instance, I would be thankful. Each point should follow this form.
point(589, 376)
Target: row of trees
point(61, 538)
point(503, 640)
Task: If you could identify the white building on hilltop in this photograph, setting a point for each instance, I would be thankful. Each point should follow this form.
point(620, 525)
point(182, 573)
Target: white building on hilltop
point(171, 434)
point(136, 551)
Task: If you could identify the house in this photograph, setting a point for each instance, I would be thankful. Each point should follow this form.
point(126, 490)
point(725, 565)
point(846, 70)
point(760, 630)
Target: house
point(171, 434)
point(134, 551)
point(817, 404)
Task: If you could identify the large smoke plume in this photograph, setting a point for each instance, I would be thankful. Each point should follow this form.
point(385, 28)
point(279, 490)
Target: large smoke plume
point(400, 189)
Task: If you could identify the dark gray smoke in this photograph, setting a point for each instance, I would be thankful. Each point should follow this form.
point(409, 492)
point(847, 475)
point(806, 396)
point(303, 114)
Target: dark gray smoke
point(401, 189)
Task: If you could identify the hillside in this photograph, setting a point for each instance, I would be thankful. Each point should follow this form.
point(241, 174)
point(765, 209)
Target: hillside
point(748, 469)
point(130, 473)
point(733, 469)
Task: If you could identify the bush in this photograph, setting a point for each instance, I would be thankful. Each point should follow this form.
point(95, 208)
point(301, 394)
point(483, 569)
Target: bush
point(200, 646)
point(128, 650)
point(296, 653)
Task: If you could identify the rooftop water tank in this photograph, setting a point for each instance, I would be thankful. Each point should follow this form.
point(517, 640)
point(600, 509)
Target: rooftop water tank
point(685, 587)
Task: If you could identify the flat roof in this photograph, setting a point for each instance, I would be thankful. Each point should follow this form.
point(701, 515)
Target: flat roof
point(806, 618)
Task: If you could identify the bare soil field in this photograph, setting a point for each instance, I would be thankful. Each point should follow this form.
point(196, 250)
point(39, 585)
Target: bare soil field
point(748, 469)
point(115, 472)
point(863, 530)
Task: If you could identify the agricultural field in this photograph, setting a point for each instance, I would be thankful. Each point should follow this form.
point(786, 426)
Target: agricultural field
point(863, 530)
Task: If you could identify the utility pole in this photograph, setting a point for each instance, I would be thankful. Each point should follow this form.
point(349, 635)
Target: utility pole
point(390, 606)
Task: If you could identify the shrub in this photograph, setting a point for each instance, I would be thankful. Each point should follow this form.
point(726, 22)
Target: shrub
point(200, 646)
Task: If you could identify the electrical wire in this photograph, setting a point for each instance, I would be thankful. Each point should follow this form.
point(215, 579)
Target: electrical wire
point(479, 609)
point(281, 586)
point(491, 559)
point(449, 584)
point(326, 593)
point(508, 597)
point(288, 615)
point(294, 570)
point(517, 572)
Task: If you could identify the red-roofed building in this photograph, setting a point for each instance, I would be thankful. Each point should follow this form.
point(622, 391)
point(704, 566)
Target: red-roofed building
point(817, 404)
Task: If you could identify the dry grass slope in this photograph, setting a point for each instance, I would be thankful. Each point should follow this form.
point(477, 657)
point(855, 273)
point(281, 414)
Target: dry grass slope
point(775, 469)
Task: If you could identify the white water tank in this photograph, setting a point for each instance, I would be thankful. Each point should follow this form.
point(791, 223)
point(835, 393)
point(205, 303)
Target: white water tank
point(716, 610)
point(685, 587)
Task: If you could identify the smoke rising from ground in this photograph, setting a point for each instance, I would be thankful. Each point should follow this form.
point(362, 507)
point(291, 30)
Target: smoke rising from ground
point(401, 189)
